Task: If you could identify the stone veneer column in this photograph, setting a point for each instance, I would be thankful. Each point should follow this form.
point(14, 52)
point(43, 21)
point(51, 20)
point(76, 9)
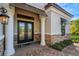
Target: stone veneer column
point(9, 45)
point(43, 43)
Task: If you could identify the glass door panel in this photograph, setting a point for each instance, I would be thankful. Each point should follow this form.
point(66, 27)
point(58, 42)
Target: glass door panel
point(29, 31)
point(21, 30)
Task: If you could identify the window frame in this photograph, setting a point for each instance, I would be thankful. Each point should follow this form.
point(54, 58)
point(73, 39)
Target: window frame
point(63, 26)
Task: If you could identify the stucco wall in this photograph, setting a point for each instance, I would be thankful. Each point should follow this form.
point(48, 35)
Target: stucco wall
point(1, 29)
point(28, 13)
point(48, 23)
point(56, 21)
point(1, 39)
point(55, 24)
point(38, 5)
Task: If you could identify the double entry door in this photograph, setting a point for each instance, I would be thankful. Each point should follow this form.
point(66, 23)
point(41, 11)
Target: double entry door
point(25, 31)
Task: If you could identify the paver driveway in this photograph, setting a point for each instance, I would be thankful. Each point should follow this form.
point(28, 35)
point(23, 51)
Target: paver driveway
point(38, 50)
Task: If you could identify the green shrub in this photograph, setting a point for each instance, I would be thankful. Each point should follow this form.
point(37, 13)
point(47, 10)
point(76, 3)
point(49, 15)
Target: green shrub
point(67, 42)
point(61, 45)
point(57, 46)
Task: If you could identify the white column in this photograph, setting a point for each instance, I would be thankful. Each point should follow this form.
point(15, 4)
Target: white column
point(9, 50)
point(42, 30)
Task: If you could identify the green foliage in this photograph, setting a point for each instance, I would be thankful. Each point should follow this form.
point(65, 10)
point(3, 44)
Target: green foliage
point(75, 40)
point(76, 23)
point(73, 29)
point(61, 45)
point(74, 36)
point(57, 46)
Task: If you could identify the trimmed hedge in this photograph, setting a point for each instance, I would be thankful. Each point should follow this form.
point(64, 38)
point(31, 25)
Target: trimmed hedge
point(61, 45)
point(75, 40)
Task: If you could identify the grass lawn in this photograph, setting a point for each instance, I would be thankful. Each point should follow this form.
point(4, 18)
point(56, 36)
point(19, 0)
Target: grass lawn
point(75, 38)
point(72, 36)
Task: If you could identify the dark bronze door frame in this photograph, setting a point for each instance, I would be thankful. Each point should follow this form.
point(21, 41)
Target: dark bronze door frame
point(25, 31)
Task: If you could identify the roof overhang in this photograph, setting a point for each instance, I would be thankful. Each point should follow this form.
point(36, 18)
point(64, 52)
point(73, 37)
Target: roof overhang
point(29, 8)
point(58, 8)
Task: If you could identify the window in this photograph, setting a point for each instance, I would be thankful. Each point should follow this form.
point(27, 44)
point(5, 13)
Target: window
point(62, 26)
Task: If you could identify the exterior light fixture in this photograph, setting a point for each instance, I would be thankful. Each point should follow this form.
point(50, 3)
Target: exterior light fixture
point(4, 20)
point(3, 16)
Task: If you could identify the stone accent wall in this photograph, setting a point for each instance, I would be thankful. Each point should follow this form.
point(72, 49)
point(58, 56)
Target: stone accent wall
point(48, 39)
point(37, 37)
point(51, 39)
point(58, 38)
point(1, 50)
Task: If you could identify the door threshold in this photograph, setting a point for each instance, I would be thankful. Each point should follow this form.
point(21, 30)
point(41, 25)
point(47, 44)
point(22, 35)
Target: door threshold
point(26, 43)
point(20, 45)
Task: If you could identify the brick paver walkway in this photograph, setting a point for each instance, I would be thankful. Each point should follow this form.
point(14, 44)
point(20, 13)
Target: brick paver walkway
point(71, 51)
point(38, 50)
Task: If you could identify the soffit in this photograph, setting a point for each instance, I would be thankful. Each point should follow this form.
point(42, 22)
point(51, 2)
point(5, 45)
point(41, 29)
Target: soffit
point(29, 8)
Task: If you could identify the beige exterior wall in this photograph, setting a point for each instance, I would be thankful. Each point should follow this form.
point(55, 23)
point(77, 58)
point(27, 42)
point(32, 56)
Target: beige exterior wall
point(38, 5)
point(56, 22)
point(53, 9)
point(36, 19)
point(48, 23)
point(37, 26)
point(55, 16)
point(1, 29)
